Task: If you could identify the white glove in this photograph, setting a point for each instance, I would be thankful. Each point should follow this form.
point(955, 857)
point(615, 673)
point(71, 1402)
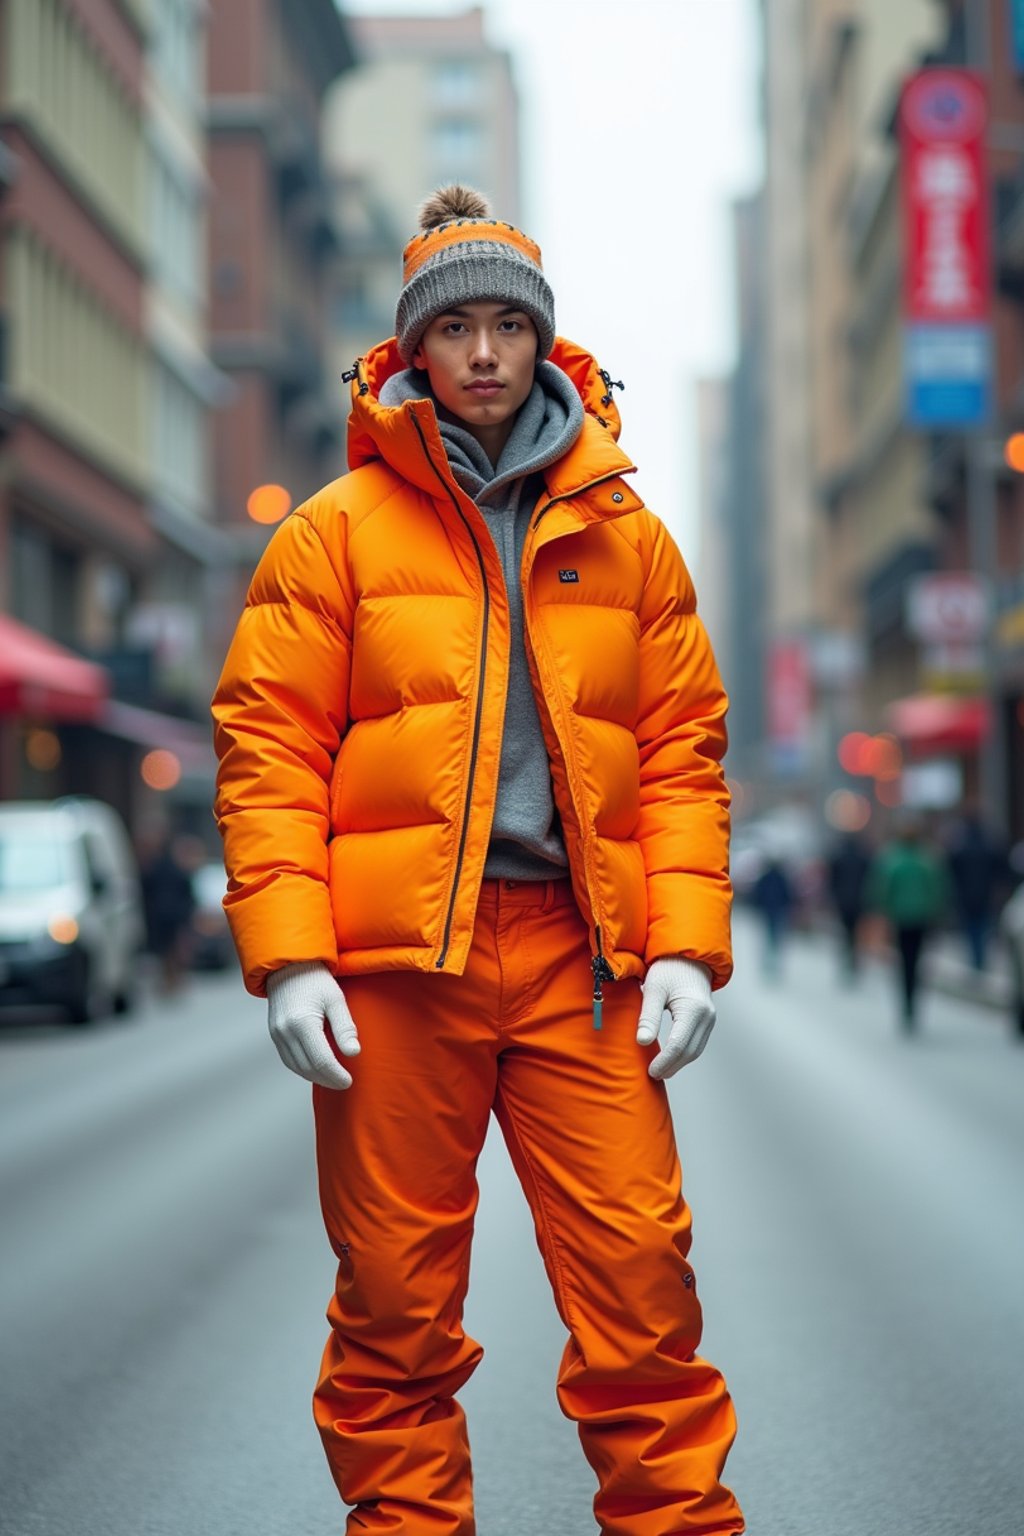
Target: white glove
point(307, 1008)
point(684, 988)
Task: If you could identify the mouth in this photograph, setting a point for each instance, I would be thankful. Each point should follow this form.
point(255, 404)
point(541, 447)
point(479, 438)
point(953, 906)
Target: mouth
point(485, 389)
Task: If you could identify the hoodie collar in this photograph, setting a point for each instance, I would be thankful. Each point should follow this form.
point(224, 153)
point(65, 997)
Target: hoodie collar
point(547, 424)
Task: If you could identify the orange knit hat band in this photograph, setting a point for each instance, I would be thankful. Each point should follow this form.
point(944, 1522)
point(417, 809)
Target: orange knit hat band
point(422, 248)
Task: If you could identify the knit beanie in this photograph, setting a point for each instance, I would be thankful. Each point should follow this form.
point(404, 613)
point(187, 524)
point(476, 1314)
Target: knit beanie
point(463, 256)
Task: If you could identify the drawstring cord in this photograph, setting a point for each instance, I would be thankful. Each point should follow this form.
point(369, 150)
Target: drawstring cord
point(353, 373)
point(609, 384)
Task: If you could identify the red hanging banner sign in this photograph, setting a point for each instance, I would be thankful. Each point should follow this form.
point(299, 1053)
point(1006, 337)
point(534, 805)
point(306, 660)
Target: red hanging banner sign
point(943, 115)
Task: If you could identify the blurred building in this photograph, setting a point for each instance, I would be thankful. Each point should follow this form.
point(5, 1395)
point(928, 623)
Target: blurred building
point(977, 497)
point(75, 540)
point(790, 612)
point(185, 389)
point(274, 258)
point(862, 508)
point(432, 102)
point(744, 653)
point(877, 528)
point(372, 241)
point(1007, 51)
point(711, 568)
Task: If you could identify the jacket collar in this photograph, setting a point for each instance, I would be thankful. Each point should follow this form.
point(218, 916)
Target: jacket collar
point(406, 436)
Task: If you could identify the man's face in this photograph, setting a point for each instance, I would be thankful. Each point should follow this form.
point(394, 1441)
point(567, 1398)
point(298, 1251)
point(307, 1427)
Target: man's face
point(480, 359)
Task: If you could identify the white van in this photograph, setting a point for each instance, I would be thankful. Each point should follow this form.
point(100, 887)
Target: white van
point(71, 925)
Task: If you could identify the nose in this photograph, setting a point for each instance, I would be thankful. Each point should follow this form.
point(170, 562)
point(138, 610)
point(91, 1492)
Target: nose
point(482, 353)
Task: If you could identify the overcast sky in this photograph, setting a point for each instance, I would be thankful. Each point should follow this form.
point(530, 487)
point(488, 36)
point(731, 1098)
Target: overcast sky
point(640, 123)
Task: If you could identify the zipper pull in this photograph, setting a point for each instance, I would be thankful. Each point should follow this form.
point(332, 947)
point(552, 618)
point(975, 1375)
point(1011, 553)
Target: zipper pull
point(602, 972)
point(595, 966)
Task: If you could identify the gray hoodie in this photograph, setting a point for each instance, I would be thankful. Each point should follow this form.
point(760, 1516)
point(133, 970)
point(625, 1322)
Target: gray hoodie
point(526, 837)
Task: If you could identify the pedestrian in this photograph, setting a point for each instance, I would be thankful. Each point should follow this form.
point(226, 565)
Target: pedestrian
point(774, 898)
point(909, 887)
point(168, 902)
point(848, 867)
point(980, 875)
point(470, 734)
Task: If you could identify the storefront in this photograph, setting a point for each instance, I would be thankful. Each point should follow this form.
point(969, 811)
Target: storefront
point(44, 688)
point(62, 734)
point(941, 736)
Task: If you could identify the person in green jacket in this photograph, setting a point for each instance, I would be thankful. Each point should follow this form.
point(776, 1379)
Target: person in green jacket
point(909, 886)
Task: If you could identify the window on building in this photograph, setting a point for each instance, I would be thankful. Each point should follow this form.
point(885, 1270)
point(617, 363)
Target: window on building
point(456, 148)
point(456, 83)
point(30, 576)
point(227, 278)
point(65, 568)
point(176, 225)
point(44, 584)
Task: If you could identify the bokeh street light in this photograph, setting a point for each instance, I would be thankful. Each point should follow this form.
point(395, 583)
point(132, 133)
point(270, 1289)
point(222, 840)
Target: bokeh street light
point(269, 503)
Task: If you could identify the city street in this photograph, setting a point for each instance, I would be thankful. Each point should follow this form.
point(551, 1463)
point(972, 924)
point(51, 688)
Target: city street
point(858, 1246)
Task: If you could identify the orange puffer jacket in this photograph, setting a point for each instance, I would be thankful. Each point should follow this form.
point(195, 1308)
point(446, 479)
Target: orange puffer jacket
point(360, 711)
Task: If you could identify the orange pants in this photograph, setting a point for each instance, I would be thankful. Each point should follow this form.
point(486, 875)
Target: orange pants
point(590, 1136)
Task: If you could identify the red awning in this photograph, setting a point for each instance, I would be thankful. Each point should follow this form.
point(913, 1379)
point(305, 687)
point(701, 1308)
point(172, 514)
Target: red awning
point(42, 679)
point(928, 723)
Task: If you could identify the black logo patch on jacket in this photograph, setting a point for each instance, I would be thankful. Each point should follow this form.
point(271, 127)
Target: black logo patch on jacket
point(568, 575)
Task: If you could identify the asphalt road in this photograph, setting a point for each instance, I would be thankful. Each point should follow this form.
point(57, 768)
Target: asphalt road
point(859, 1250)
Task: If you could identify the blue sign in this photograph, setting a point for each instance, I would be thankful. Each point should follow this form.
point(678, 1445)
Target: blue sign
point(1017, 33)
point(948, 375)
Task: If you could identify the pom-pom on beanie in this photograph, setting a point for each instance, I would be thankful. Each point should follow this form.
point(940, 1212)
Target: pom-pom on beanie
point(464, 256)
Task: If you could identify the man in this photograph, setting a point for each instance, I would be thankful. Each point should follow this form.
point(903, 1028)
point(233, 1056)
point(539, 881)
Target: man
point(981, 877)
point(774, 898)
point(908, 885)
point(470, 732)
point(848, 869)
point(168, 903)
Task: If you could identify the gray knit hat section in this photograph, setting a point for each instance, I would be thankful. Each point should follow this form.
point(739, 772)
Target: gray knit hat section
point(474, 272)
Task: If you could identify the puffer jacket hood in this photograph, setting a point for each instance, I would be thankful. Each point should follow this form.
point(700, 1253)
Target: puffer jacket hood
point(398, 434)
point(360, 711)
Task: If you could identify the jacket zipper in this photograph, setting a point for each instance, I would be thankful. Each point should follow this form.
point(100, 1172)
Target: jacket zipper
point(599, 965)
point(474, 750)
